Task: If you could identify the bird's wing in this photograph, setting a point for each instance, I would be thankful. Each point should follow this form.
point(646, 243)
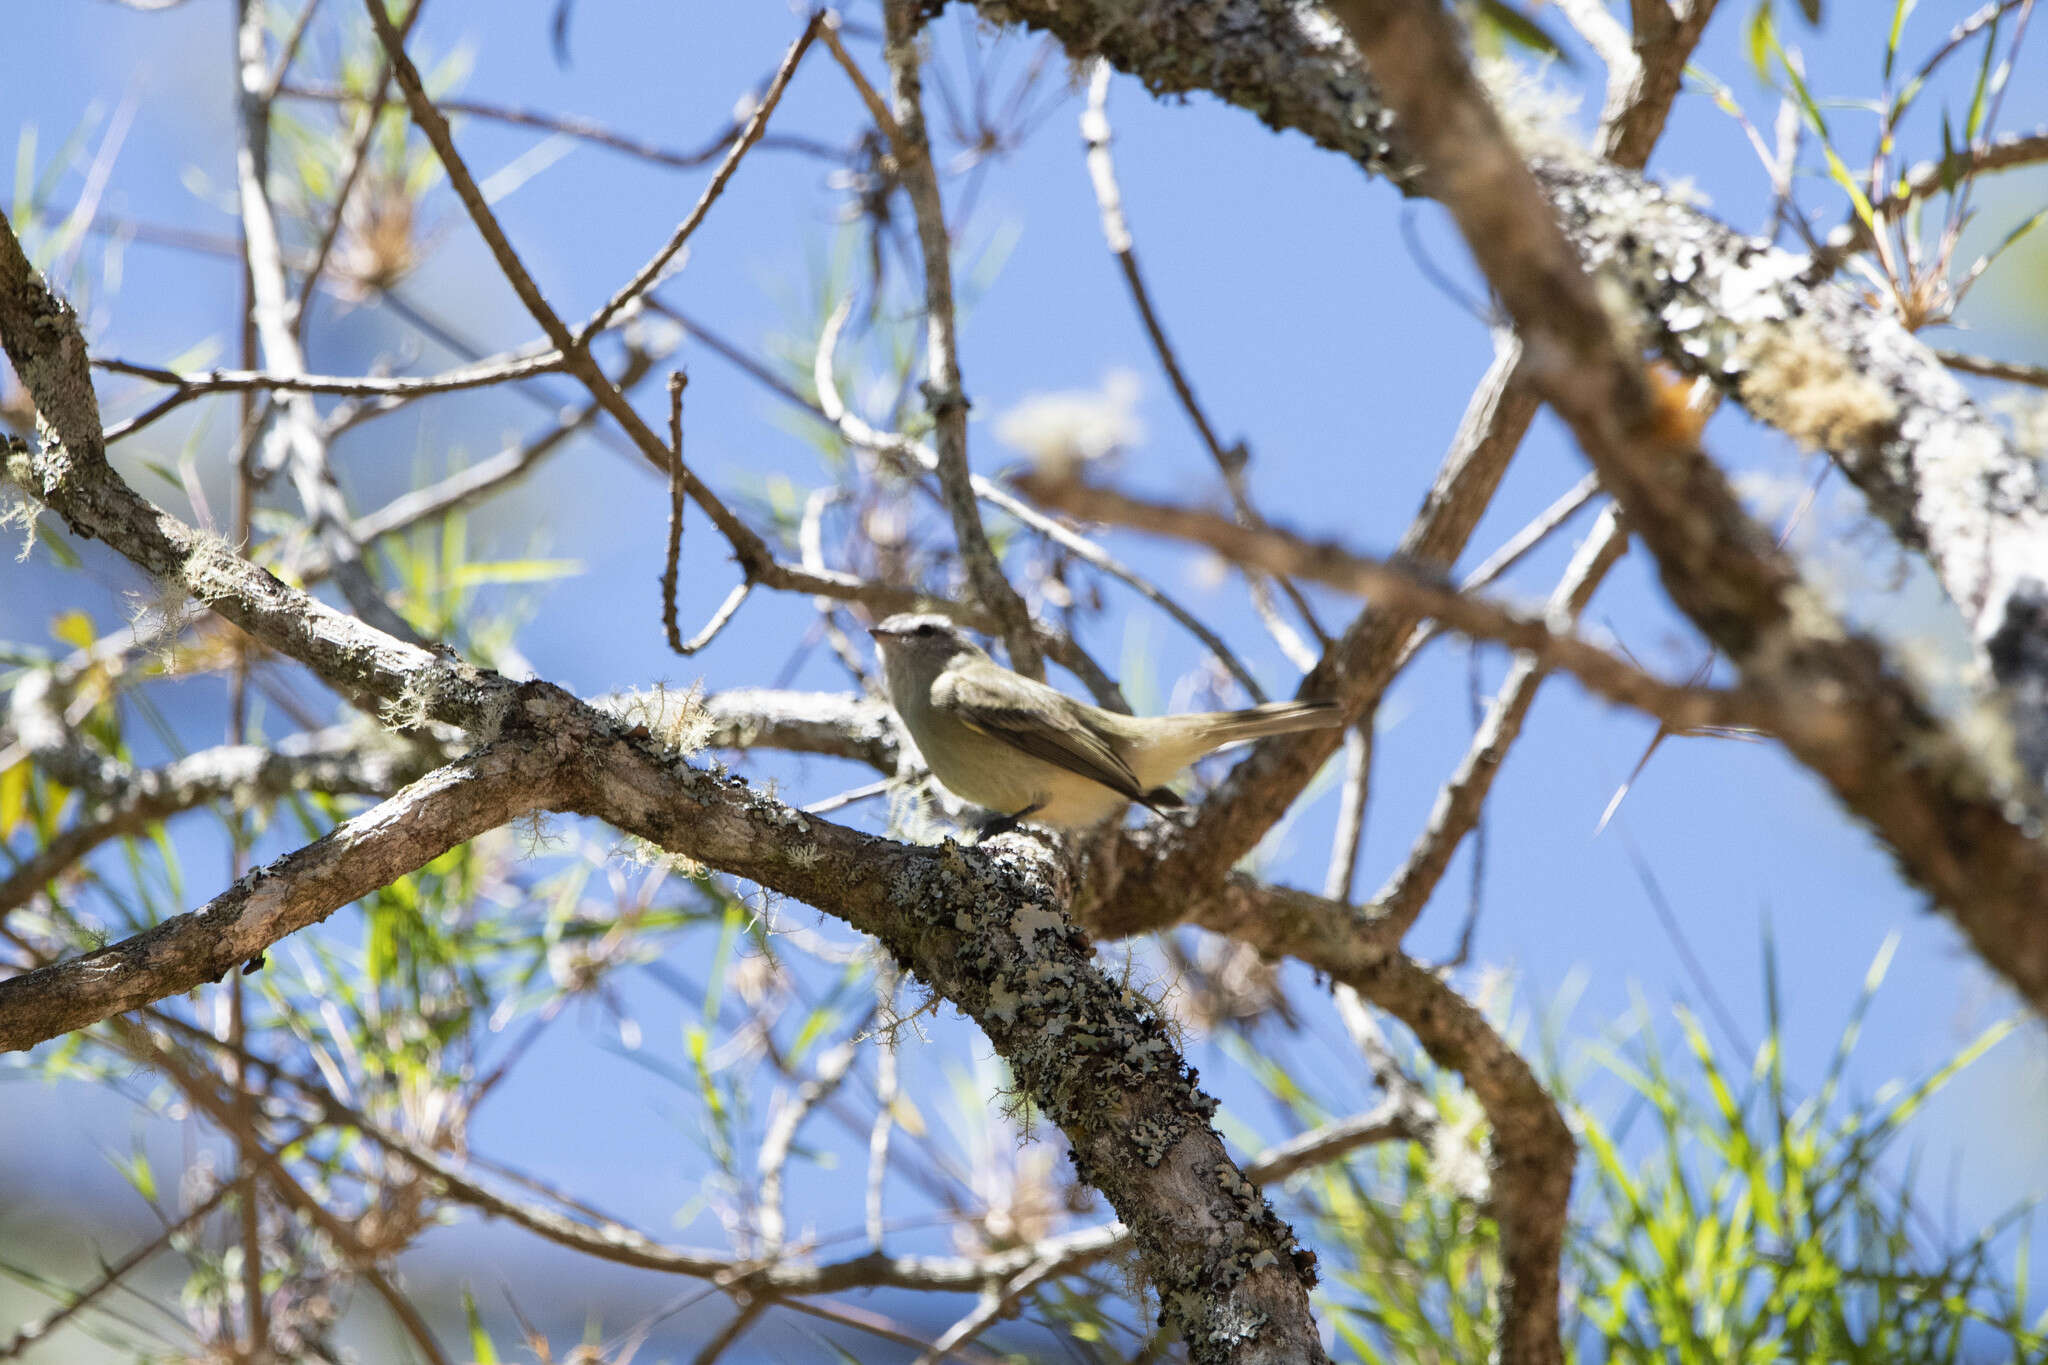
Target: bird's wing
point(1051, 729)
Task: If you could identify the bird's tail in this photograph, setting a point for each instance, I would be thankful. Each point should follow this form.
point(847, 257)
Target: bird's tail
point(1274, 718)
point(1182, 739)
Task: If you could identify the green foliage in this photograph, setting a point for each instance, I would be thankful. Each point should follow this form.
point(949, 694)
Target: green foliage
point(1719, 1218)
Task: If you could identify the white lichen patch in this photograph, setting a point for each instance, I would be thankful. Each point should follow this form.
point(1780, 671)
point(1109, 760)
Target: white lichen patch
point(1795, 380)
point(1031, 918)
point(154, 619)
point(413, 706)
point(678, 719)
point(19, 510)
point(213, 571)
point(639, 852)
point(1538, 117)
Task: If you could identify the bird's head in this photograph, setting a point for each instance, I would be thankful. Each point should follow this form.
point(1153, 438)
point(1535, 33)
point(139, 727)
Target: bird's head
point(921, 645)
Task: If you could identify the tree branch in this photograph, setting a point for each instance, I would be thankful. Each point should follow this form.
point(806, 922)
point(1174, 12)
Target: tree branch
point(297, 443)
point(1947, 808)
point(985, 926)
point(1409, 887)
point(942, 387)
point(1419, 592)
point(453, 804)
point(339, 761)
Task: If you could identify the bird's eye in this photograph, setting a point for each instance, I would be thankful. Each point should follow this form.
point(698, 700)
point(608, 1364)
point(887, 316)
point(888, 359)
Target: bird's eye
point(926, 630)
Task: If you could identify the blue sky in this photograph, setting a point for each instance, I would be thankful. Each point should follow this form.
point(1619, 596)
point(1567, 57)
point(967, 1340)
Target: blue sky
point(1293, 290)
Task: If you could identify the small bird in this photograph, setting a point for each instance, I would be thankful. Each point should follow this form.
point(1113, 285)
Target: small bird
point(1028, 752)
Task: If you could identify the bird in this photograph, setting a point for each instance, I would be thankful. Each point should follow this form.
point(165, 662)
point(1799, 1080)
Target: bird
point(1028, 752)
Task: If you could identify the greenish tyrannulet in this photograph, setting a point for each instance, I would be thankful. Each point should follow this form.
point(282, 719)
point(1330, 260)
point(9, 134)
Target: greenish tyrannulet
point(1027, 752)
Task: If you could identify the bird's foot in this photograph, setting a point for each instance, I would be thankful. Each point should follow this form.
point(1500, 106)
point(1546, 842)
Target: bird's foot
point(1004, 824)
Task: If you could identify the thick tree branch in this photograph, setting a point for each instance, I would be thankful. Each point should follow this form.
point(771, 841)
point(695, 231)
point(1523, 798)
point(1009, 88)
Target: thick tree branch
point(341, 762)
point(806, 723)
point(1530, 1149)
point(449, 806)
point(985, 928)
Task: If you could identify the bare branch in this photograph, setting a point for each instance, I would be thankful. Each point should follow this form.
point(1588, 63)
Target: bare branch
point(1643, 70)
point(2035, 375)
point(1458, 805)
point(353, 161)
point(473, 482)
point(584, 129)
point(896, 446)
point(1095, 134)
point(1532, 1151)
point(942, 388)
point(782, 1131)
point(340, 761)
point(757, 123)
point(397, 836)
point(1184, 871)
point(298, 443)
point(756, 560)
point(749, 1313)
point(1350, 833)
point(981, 926)
point(1416, 591)
point(804, 722)
point(518, 365)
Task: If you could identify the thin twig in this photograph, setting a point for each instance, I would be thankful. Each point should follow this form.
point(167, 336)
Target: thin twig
point(677, 380)
point(295, 441)
point(1463, 799)
point(1416, 590)
point(781, 1133)
point(472, 482)
point(1095, 134)
point(918, 455)
point(514, 366)
point(885, 1102)
point(1539, 529)
point(2016, 372)
point(942, 387)
point(353, 162)
point(755, 558)
point(749, 1313)
point(583, 129)
point(1350, 835)
point(114, 1272)
point(847, 798)
point(289, 52)
point(645, 277)
point(989, 1310)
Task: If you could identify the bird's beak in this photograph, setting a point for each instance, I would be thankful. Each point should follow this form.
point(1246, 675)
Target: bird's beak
point(876, 632)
